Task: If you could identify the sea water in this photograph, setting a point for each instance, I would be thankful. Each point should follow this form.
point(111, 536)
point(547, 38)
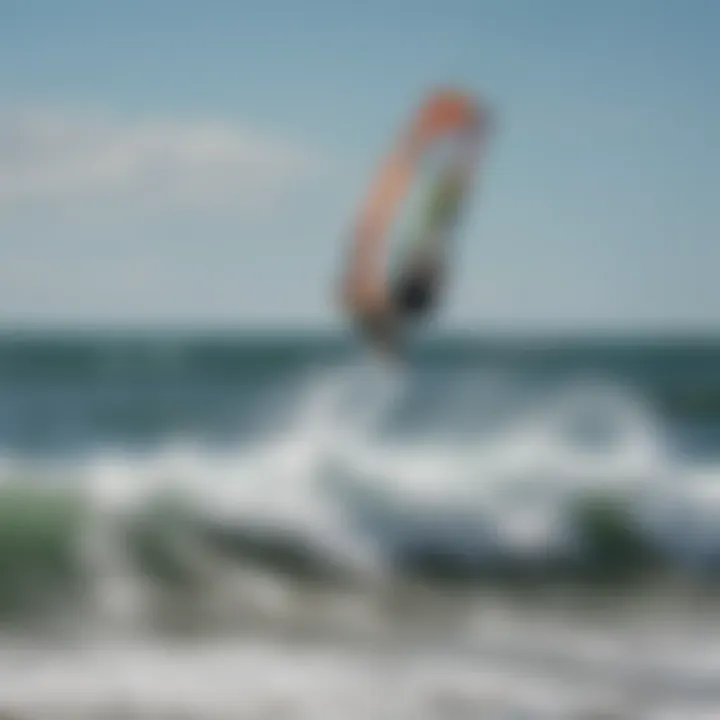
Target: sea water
point(247, 526)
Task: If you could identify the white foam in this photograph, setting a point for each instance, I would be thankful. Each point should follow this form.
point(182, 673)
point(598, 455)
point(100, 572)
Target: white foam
point(262, 679)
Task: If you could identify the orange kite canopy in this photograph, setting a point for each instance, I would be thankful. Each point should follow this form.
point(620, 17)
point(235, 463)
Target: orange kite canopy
point(445, 113)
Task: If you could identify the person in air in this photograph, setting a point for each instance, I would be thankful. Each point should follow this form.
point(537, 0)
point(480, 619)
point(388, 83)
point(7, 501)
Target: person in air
point(416, 286)
point(411, 292)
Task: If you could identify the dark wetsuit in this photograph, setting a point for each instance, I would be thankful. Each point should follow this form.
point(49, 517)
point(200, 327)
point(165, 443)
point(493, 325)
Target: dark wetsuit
point(412, 296)
point(414, 292)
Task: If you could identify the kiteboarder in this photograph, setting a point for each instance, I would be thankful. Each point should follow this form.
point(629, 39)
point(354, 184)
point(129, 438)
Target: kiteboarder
point(385, 302)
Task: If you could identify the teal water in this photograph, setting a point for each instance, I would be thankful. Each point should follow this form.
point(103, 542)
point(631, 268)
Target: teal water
point(59, 393)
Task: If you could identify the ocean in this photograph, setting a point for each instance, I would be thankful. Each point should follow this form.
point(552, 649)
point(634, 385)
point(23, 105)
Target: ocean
point(274, 526)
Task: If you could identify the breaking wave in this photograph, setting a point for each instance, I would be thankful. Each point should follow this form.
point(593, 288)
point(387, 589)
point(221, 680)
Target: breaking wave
point(353, 486)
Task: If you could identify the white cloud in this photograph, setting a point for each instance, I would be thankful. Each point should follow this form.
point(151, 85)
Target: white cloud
point(51, 157)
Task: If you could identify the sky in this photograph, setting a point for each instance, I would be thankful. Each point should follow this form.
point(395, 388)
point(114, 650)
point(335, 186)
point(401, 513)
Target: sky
point(201, 163)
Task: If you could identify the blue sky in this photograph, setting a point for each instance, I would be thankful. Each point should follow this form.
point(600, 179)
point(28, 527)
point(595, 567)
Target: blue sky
point(172, 162)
